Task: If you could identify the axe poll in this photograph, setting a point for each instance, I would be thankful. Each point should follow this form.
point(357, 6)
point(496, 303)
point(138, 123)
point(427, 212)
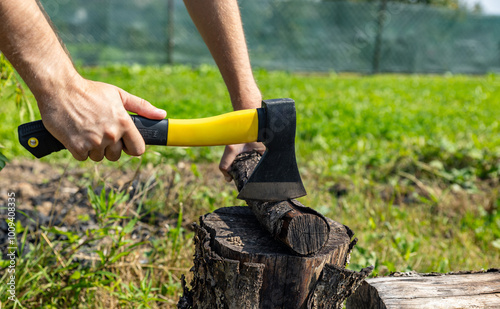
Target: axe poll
point(276, 176)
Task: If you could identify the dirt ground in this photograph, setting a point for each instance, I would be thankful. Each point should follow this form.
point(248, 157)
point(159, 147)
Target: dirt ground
point(56, 195)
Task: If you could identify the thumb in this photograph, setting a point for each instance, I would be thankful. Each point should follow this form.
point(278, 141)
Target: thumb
point(140, 106)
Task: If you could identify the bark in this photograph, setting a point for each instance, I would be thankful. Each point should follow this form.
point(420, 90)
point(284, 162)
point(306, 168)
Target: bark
point(220, 282)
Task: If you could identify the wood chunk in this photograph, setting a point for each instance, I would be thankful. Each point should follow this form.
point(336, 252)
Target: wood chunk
point(413, 290)
point(300, 228)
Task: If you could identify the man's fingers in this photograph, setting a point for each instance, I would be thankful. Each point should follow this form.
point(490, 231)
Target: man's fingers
point(110, 146)
point(133, 142)
point(80, 156)
point(96, 154)
point(230, 153)
point(113, 152)
point(260, 150)
point(140, 106)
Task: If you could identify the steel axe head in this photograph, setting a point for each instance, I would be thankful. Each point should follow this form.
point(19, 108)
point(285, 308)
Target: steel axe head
point(276, 177)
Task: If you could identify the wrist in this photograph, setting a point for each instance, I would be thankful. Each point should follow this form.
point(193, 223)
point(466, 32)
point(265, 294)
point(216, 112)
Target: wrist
point(246, 97)
point(50, 75)
point(57, 88)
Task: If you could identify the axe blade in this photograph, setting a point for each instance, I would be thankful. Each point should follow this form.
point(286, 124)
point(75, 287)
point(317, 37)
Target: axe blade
point(273, 181)
point(276, 177)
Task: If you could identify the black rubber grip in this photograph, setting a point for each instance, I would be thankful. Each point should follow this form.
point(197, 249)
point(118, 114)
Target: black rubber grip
point(154, 132)
point(37, 139)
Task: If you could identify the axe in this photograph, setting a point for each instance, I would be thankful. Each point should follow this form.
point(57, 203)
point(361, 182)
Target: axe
point(276, 176)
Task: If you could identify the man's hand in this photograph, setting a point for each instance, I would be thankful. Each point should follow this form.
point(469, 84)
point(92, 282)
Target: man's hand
point(90, 119)
point(230, 153)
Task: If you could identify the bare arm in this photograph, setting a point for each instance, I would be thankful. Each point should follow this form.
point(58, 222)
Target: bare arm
point(89, 118)
point(219, 23)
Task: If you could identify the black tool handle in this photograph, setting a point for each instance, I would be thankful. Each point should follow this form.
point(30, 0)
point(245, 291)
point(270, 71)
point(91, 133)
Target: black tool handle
point(37, 139)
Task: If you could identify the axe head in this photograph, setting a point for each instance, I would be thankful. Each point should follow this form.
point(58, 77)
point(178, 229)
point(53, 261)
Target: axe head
point(276, 177)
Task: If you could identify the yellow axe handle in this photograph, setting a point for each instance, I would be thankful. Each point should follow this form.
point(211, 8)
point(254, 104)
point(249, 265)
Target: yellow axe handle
point(232, 128)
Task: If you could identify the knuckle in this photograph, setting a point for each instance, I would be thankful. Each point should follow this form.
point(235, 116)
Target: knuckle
point(83, 142)
point(124, 120)
point(94, 142)
point(143, 103)
point(223, 167)
point(111, 135)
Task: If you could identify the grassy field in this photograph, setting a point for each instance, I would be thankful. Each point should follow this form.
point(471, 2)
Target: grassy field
point(410, 163)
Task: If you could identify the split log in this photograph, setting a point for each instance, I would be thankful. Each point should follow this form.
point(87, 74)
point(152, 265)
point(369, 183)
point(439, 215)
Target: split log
point(239, 265)
point(300, 228)
point(413, 290)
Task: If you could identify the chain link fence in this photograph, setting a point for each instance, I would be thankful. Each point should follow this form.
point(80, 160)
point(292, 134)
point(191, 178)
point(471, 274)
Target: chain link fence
point(287, 35)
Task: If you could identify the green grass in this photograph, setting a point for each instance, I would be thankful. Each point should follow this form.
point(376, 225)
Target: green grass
point(410, 163)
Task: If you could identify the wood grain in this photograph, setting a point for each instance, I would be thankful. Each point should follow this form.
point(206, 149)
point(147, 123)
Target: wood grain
point(454, 290)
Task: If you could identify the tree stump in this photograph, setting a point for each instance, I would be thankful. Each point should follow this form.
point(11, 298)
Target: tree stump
point(239, 265)
point(302, 229)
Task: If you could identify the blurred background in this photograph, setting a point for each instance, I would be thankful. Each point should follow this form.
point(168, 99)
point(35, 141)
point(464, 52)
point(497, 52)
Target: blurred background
point(366, 36)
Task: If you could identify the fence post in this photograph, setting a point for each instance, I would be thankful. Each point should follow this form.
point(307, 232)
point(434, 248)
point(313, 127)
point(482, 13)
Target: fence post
point(378, 38)
point(170, 31)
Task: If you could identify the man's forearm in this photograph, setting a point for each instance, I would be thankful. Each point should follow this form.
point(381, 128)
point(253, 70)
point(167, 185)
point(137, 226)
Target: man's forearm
point(30, 44)
point(89, 118)
point(219, 23)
